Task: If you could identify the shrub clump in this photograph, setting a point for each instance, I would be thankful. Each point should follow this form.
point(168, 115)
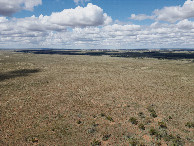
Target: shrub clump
point(141, 126)
point(162, 125)
point(109, 118)
point(106, 137)
point(190, 124)
point(133, 120)
point(152, 112)
point(133, 141)
point(79, 122)
point(154, 132)
point(96, 143)
point(141, 115)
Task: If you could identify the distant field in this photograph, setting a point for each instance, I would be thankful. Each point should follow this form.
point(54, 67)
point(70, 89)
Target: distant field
point(55, 99)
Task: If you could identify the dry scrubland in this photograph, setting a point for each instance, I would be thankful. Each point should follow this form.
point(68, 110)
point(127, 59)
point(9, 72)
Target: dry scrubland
point(93, 100)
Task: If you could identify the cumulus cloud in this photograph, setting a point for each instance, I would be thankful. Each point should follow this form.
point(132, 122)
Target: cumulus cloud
point(175, 13)
point(186, 24)
point(141, 17)
point(170, 14)
point(9, 7)
point(90, 27)
point(91, 15)
point(37, 32)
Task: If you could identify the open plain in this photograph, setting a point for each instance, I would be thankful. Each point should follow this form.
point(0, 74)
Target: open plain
point(95, 100)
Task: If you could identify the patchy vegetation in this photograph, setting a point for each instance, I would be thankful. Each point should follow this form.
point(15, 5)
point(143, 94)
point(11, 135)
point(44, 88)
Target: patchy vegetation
point(95, 99)
point(133, 120)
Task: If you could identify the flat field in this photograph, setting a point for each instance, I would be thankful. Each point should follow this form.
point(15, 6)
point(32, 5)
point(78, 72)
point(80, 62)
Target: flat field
point(95, 100)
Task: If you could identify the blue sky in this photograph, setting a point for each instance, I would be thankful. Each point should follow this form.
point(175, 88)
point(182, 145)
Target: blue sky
point(115, 24)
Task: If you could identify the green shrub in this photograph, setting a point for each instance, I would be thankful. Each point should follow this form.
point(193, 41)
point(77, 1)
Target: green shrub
point(96, 143)
point(79, 122)
point(152, 111)
point(109, 118)
point(141, 126)
point(133, 120)
point(141, 115)
point(162, 125)
point(190, 124)
point(133, 142)
point(106, 137)
point(102, 115)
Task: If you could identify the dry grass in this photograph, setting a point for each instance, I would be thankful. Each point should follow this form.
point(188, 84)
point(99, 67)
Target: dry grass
point(59, 100)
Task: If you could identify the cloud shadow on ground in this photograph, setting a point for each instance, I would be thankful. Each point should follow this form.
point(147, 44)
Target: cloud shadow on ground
point(17, 73)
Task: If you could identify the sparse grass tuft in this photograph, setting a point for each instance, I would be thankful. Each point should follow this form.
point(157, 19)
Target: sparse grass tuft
point(190, 124)
point(79, 122)
point(133, 120)
point(34, 139)
point(152, 112)
point(170, 118)
point(109, 118)
point(154, 132)
point(133, 141)
point(102, 115)
point(141, 115)
point(106, 137)
point(162, 125)
point(96, 143)
point(141, 126)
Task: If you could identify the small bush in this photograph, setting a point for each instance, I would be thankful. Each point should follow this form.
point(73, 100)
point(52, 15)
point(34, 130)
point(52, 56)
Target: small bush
point(141, 126)
point(102, 115)
point(34, 139)
point(109, 118)
point(162, 125)
point(133, 120)
point(79, 122)
point(141, 115)
point(106, 137)
point(150, 109)
point(147, 121)
point(155, 133)
point(96, 143)
point(133, 142)
point(170, 118)
point(190, 124)
point(152, 112)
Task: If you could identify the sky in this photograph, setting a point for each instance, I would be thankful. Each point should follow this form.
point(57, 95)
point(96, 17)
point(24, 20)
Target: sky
point(97, 24)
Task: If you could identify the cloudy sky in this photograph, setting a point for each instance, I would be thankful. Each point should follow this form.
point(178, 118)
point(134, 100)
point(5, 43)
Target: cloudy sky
point(104, 24)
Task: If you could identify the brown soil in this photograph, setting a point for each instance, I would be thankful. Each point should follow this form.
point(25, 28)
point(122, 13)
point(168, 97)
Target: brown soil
point(70, 100)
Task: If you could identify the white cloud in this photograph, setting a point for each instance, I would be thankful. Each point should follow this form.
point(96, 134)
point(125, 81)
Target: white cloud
point(170, 14)
point(186, 24)
point(141, 17)
point(175, 13)
point(40, 32)
point(3, 19)
point(9, 7)
point(91, 15)
point(80, 1)
point(90, 27)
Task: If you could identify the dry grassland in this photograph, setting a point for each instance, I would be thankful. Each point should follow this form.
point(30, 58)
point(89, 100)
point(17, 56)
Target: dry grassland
point(95, 100)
